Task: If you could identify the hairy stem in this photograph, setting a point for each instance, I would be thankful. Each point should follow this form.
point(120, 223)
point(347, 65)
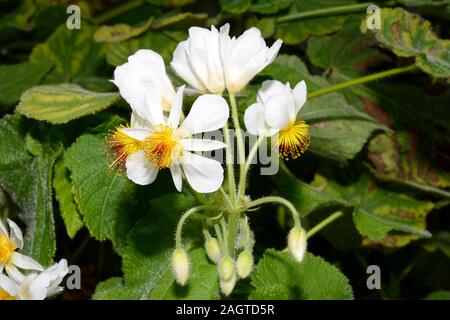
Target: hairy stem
point(273, 199)
point(182, 221)
point(324, 223)
point(362, 80)
point(325, 12)
point(230, 169)
point(250, 157)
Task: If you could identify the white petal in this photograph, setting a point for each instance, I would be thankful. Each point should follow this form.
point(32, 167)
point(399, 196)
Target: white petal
point(8, 285)
point(142, 76)
point(208, 113)
point(254, 119)
point(14, 273)
point(177, 107)
point(182, 66)
point(140, 170)
point(273, 52)
point(278, 112)
point(270, 88)
point(203, 174)
point(135, 133)
point(175, 170)
point(202, 144)
point(15, 234)
point(300, 95)
point(24, 262)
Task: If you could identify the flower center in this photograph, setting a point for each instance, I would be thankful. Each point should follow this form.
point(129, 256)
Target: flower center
point(293, 140)
point(121, 146)
point(163, 146)
point(5, 295)
point(6, 249)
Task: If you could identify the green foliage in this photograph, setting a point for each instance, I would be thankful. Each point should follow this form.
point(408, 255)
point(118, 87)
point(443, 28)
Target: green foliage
point(62, 103)
point(379, 154)
point(278, 276)
point(409, 35)
point(26, 166)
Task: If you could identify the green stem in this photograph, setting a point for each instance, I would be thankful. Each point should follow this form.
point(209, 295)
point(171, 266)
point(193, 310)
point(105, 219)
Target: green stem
point(250, 157)
point(272, 199)
point(118, 11)
point(361, 80)
point(229, 162)
point(232, 229)
point(240, 144)
point(325, 12)
point(324, 223)
point(182, 221)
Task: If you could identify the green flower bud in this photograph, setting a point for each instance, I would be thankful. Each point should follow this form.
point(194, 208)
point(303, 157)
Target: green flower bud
point(297, 243)
point(213, 250)
point(180, 266)
point(227, 286)
point(226, 268)
point(244, 264)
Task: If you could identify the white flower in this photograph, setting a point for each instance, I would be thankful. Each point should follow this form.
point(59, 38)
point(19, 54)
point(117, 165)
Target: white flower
point(10, 259)
point(35, 286)
point(297, 243)
point(197, 60)
point(275, 112)
point(157, 142)
point(244, 57)
point(144, 74)
point(211, 61)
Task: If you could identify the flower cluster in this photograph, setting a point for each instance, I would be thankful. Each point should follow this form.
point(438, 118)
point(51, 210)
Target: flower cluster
point(160, 136)
point(39, 284)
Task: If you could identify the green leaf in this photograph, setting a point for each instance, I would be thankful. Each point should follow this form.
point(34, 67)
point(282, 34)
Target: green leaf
point(26, 168)
point(278, 276)
point(159, 42)
point(120, 32)
point(73, 52)
point(409, 35)
point(104, 198)
point(438, 295)
point(379, 211)
point(62, 103)
point(180, 21)
point(295, 32)
point(338, 130)
point(112, 289)
point(269, 6)
point(26, 75)
point(439, 241)
point(344, 55)
point(65, 197)
point(235, 6)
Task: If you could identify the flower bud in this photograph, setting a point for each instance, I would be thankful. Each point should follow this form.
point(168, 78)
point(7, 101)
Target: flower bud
point(227, 286)
point(180, 266)
point(226, 268)
point(213, 250)
point(297, 243)
point(244, 264)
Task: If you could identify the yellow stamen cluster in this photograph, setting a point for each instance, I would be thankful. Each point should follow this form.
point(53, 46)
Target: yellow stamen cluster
point(293, 140)
point(162, 146)
point(5, 295)
point(122, 146)
point(6, 249)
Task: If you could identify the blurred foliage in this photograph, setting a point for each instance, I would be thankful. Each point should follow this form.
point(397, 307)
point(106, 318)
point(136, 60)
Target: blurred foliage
point(380, 152)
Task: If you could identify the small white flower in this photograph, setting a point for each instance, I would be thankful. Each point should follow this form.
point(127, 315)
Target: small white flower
point(244, 57)
point(275, 112)
point(10, 259)
point(35, 286)
point(155, 142)
point(180, 266)
point(297, 243)
point(211, 61)
point(197, 60)
point(142, 79)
